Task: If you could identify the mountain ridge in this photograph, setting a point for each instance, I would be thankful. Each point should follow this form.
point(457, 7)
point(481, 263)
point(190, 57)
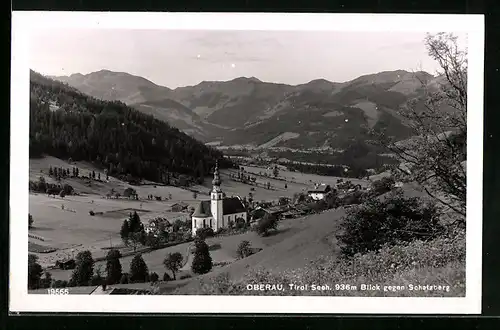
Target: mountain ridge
point(217, 111)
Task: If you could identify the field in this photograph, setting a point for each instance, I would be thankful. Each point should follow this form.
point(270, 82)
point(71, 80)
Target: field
point(65, 225)
point(297, 242)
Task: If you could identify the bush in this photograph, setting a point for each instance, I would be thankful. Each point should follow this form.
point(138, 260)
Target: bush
point(354, 198)
point(440, 261)
point(68, 189)
point(166, 277)
point(267, 223)
point(240, 223)
point(204, 233)
point(184, 276)
point(59, 284)
point(396, 219)
point(124, 279)
point(383, 185)
point(153, 277)
point(91, 213)
point(244, 249)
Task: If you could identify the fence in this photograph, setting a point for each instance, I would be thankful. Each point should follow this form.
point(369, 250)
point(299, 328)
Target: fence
point(36, 237)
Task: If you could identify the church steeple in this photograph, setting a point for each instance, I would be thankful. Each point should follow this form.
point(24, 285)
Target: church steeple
point(216, 181)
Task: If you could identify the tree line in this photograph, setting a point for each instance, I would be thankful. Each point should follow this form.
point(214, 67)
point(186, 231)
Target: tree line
point(86, 274)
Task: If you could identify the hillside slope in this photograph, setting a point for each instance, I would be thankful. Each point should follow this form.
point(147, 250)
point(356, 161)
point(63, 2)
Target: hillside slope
point(66, 123)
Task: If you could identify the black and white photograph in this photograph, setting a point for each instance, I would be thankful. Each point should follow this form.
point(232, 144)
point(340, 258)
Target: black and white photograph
point(218, 167)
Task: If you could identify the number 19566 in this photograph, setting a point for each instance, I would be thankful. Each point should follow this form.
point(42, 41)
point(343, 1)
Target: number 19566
point(58, 291)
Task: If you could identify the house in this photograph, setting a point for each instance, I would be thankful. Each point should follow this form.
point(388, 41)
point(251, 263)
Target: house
point(156, 225)
point(319, 192)
point(260, 212)
point(179, 207)
point(217, 212)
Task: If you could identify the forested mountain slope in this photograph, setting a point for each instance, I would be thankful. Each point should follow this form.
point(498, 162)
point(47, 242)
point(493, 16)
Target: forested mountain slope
point(66, 123)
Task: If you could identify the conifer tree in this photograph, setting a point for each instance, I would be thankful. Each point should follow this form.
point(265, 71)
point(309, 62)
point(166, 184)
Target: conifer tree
point(113, 267)
point(138, 269)
point(202, 261)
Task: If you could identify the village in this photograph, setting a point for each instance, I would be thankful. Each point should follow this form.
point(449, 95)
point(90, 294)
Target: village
point(172, 217)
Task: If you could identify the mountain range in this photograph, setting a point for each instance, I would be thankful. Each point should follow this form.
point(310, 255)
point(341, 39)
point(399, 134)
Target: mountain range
point(252, 113)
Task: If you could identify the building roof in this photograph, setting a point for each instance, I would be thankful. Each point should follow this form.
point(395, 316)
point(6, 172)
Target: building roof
point(203, 210)
point(322, 188)
point(179, 204)
point(230, 205)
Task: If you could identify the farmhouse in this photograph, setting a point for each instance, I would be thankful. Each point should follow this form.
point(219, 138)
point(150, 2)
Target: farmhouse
point(179, 207)
point(319, 192)
point(218, 211)
point(156, 225)
point(260, 212)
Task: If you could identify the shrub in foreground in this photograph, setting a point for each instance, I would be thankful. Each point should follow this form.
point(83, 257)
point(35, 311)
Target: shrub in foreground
point(244, 249)
point(375, 223)
point(440, 261)
point(267, 223)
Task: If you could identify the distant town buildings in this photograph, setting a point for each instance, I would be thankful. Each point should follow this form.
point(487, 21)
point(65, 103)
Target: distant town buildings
point(219, 211)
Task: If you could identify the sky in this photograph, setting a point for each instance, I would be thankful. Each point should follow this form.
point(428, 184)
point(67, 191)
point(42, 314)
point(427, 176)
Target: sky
point(184, 58)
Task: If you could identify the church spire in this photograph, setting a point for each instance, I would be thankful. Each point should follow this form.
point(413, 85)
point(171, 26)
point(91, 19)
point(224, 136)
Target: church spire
point(216, 181)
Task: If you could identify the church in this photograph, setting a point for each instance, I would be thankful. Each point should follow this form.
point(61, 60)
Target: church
point(217, 212)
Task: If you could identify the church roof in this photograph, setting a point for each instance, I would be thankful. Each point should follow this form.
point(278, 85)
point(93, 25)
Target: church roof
point(203, 210)
point(230, 205)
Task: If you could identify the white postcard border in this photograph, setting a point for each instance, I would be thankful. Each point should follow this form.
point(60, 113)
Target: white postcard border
point(24, 22)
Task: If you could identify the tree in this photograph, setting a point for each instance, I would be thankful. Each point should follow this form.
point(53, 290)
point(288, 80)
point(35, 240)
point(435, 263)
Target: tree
point(244, 249)
point(202, 262)
point(436, 157)
point(113, 267)
point(138, 269)
point(124, 232)
point(51, 171)
point(77, 172)
point(99, 176)
point(137, 237)
point(268, 185)
point(265, 224)
point(166, 277)
point(34, 272)
point(276, 171)
point(129, 192)
point(173, 262)
point(62, 193)
point(82, 274)
point(134, 222)
point(153, 277)
point(46, 281)
point(204, 233)
point(124, 279)
point(30, 221)
point(383, 185)
point(97, 278)
point(195, 195)
point(93, 175)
